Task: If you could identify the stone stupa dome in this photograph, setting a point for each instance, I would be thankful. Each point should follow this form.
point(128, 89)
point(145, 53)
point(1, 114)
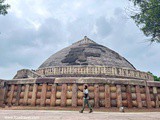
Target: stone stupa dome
point(85, 58)
point(112, 81)
point(87, 52)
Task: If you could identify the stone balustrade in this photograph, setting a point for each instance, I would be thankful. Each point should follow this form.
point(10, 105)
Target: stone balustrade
point(95, 71)
point(103, 92)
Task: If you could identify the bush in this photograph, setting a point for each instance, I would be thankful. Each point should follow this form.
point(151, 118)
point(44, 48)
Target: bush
point(156, 78)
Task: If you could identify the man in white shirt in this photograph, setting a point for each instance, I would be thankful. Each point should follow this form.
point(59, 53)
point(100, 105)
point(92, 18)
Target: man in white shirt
point(85, 99)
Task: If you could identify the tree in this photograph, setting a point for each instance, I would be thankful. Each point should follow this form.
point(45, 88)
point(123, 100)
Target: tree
point(156, 78)
point(147, 18)
point(3, 7)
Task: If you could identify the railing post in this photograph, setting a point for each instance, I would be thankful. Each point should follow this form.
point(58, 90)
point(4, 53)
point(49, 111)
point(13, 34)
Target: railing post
point(43, 94)
point(26, 94)
point(53, 95)
point(18, 94)
point(96, 95)
point(107, 96)
point(74, 95)
point(129, 96)
point(64, 95)
point(34, 94)
point(11, 95)
point(138, 94)
point(156, 97)
point(119, 96)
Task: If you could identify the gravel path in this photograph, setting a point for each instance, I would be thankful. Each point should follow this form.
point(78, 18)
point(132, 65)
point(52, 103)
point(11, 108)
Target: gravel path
point(74, 115)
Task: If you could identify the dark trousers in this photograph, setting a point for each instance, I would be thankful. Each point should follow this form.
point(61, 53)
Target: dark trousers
point(85, 101)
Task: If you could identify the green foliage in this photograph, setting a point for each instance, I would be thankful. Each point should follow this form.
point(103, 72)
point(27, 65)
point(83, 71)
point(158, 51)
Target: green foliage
point(3, 7)
point(148, 18)
point(155, 77)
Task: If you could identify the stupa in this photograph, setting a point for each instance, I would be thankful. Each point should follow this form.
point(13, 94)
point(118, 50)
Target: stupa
point(112, 80)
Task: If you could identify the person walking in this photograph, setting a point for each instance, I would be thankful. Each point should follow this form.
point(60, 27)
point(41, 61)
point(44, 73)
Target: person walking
point(85, 100)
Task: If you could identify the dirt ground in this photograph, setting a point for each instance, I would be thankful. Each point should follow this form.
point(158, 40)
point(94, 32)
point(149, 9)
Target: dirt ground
point(74, 115)
point(102, 109)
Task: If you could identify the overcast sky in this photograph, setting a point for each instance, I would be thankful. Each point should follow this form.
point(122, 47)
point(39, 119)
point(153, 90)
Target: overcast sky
point(35, 29)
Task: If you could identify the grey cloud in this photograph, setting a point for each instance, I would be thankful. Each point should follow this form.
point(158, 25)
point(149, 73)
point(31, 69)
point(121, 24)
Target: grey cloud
point(61, 24)
point(104, 27)
point(51, 31)
point(20, 39)
point(80, 27)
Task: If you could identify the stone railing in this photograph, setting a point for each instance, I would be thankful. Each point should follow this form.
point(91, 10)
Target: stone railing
point(65, 92)
point(95, 71)
point(26, 73)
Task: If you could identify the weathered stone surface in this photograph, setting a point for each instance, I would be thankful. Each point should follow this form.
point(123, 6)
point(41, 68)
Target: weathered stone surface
point(108, 80)
point(129, 97)
point(11, 95)
point(87, 52)
point(138, 94)
point(26, 73)
point(107, 97)
point(148, 97)
point(2, 93)
point(43, 94)
point(26, 94)
point(74, 95)
point(156, 97)
point(96, 95)
point(34, 93)
point(53, 95)
point(63, 95)
point(119, 96)
point(18, 94)
point(103, 94)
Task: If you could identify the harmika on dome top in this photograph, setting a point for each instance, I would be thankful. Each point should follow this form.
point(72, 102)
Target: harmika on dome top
point(87, 52)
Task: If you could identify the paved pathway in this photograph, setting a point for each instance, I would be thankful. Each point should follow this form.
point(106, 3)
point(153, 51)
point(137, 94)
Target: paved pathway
point(74, 115)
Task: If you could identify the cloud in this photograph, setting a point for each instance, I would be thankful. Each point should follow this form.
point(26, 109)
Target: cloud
point(104, 27)
point(35, 29)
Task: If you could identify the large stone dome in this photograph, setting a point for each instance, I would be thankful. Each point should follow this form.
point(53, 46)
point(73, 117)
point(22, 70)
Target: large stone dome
point(61, 78)
point(87, 52)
